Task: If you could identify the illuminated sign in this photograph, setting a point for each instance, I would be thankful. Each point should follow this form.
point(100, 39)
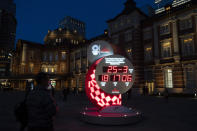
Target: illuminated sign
point(179, 2)
point(157, 1)
point(53, 83)
point(160, 10)
point(96, 49)
point(115, 74)
point(99, 49)
point(174, 4)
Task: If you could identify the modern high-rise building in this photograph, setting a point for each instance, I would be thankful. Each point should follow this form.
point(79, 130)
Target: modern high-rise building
point(73, 25)
point(7, 35)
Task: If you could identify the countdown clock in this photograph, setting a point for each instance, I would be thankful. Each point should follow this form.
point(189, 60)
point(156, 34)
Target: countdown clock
point(115, 74)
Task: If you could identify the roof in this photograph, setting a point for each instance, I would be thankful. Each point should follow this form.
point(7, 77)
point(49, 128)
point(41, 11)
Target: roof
point(130, 6)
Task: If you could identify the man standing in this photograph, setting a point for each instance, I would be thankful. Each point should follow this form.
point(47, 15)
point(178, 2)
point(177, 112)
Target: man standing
point(41, 106)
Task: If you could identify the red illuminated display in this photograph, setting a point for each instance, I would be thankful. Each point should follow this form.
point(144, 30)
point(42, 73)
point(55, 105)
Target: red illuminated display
point(96, 94)
point(115, 69)
point(118, 78)
point(113, 74)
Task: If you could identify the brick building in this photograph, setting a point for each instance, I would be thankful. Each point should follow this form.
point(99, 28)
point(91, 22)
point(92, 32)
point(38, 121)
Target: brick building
point(163, 47)
point(63, 56)
point(125, 31)
point(170, 48)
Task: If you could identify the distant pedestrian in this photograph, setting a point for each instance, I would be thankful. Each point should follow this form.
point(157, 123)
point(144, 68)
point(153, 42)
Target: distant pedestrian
point(166, 94)
point(144, 90)
point(65, 93)
point(41, 106)
point(52, 91)
point(28, 86)
point(75, 91)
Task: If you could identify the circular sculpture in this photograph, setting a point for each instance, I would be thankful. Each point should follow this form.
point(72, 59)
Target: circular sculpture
point(107, 79)
point(96, 95)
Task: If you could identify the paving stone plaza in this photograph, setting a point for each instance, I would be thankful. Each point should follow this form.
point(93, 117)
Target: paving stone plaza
point(178, 114)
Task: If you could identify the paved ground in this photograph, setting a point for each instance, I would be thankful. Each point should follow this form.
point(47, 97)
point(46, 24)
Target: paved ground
point(179, 114)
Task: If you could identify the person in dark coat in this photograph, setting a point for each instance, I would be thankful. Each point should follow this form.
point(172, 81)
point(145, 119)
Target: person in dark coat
point(41, 106)
point(166, 94)
point(65, 93)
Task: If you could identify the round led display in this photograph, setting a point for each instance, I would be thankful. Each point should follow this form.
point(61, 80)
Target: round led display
point(115, 74)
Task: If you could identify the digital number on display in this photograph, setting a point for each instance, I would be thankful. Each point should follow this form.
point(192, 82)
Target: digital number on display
point(118, 78)
point(115, 74)
point(115, 69)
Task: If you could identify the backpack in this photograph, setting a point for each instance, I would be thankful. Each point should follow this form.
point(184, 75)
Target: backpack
point(21, 114)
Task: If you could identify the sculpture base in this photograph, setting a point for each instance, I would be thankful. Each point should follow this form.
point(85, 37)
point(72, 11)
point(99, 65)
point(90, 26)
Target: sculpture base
point(111, 115)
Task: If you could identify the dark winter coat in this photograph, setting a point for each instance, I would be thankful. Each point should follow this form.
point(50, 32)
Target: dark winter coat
point(41, 108)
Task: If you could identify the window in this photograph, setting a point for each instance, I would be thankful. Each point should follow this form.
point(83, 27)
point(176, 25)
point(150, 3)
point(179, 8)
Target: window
point(185, 24)
point(44, 56)
point(83, 65)
point(128, 20)
point(50, 69)
point(63, 55)
point(147, 34)
point(58, 40)
point(84, 53)
point(129, 51)
point(122, 22)
point(31, 55)
point(62, 68)
point(55, 69)
point(190, 77)
point(77, 55)
point(50, 57)
point(187, 44)
point(166, 49)
point(148, 53)
point(22, 69)
point(46, 69)
point(128, 36)
point(115, 39)
point(164, 29)
point(31, 66)
point(56, 56)
point(148, 75)
point(168, 80)
point(72, 66)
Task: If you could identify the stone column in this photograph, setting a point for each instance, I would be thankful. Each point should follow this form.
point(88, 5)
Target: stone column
point(196, 23)
point(24, 53)
point(196, 75)
point(175, 42)
point(156, 44)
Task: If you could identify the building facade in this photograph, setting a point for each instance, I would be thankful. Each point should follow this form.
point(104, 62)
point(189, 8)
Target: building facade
point(63, 56)
point(7, 38)
point(125, 31)
point(170, 48)
point(162, 48)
